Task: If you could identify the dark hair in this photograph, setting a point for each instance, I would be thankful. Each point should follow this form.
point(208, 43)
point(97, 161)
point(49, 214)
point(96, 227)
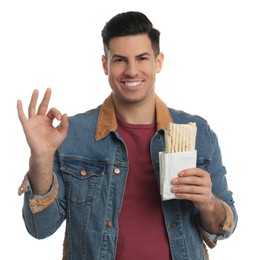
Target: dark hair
point(130, 23)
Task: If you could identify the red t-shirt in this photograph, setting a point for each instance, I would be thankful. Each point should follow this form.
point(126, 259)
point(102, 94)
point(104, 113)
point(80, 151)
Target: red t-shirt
point(142, 233)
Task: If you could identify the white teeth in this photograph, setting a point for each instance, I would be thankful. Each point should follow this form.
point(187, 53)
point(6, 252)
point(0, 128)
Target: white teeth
point(132, 84)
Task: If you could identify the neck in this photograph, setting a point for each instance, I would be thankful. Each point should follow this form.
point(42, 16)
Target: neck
point(141, 112)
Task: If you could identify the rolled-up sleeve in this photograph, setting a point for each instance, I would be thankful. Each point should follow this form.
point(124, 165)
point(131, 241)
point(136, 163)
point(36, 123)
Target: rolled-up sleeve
point(39, 202)
point(38, 209)
point(227, 227)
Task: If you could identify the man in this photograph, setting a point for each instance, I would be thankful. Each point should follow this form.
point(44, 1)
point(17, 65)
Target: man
point(99, 170)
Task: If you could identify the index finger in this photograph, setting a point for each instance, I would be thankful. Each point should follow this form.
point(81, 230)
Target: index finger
point(192, 172)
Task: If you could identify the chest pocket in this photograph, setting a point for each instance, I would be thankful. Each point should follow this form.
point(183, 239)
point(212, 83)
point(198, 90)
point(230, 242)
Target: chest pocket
point(83, 180)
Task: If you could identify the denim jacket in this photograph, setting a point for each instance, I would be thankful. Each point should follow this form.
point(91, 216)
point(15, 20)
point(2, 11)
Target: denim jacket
point(90, 171)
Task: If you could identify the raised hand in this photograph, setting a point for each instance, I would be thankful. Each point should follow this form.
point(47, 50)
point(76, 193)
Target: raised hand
point(42, 137)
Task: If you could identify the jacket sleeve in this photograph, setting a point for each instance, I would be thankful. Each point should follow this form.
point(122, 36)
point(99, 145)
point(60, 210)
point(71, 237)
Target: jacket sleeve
point(39, 209)
point(220, 190)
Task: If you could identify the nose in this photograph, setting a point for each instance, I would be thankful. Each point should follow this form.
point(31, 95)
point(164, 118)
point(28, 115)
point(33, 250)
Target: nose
point(131, 69)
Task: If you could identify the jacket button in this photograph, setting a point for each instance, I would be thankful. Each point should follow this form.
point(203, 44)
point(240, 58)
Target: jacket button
point(117, 171)
point(110, 224)
point(172, 225)
point(83, 172)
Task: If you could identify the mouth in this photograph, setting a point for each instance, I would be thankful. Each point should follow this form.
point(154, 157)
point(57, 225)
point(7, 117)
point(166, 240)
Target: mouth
point(131, 83)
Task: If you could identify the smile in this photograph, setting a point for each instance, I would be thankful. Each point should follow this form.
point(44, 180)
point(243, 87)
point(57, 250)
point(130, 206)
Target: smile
point(133, 84)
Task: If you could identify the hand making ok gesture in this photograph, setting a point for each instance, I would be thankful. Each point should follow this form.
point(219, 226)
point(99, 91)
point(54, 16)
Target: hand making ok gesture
point(42, 137)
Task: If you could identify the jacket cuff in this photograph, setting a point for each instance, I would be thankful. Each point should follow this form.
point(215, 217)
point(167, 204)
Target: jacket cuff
point(228, 224)
point(24, 187)
point(226, 227)
point(38, 203)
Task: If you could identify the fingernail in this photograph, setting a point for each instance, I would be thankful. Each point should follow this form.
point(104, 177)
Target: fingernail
point(175, 181)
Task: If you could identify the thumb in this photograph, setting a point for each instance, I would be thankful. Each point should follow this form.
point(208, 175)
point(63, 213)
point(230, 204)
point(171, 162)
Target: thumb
point(63, 127)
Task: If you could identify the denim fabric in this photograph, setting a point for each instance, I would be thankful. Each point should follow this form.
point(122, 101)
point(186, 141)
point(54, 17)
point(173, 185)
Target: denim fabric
point(91, 167)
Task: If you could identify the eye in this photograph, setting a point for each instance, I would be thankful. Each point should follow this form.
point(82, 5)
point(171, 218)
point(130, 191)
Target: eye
point(143, 58)
point(118, 60)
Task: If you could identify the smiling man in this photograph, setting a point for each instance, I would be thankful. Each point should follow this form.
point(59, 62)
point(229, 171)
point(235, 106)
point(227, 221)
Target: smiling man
point(99, 170)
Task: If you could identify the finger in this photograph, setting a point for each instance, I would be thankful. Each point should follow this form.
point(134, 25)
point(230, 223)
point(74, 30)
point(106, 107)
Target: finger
point(192, 172)
point(195, 176)
point(190, 189)
point(194, 197)
point(54, 113)
point(188, 180)
point(43, 107)
point(199, 199)
point(64, 125)
point(21, 114)
point(33, 102)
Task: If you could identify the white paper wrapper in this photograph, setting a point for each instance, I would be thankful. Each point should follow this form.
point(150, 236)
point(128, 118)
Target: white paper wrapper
point(170, 165)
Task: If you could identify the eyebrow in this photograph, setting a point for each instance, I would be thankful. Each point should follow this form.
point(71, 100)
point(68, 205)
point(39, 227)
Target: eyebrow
point(143, 54)
point(138, 56)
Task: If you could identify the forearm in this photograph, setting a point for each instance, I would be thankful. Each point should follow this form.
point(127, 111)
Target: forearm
point(212, 216)
point(40, 173)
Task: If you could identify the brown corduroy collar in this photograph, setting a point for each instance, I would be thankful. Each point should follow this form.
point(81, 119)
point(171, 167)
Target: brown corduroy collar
point(107, 117)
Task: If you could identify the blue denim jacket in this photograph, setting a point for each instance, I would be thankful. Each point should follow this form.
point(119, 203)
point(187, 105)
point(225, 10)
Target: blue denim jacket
point(90, 170)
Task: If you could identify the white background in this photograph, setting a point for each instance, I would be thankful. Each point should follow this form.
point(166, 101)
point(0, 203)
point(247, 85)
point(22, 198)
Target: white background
point(208, 70)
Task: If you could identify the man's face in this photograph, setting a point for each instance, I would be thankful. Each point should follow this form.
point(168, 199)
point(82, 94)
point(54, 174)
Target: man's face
point(131, 67)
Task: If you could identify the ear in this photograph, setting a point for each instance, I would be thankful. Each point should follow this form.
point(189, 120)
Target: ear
point(159, 62)
point(104, 64)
